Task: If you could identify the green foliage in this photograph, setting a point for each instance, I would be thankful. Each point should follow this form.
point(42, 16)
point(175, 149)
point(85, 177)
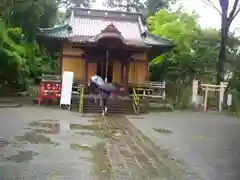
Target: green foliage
point(13, 59)
point(29, 15)
point(127, 6)
point(21, 61)
point(196, 49)
point(185, 97)
point(153, 6)
point(235, 108)
point(195, 54)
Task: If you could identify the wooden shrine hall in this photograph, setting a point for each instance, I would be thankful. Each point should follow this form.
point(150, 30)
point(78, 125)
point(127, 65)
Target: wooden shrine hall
point(114, 45)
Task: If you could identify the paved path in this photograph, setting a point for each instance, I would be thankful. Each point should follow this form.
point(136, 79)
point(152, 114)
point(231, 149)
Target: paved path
point(44, 143)
point(209, 143)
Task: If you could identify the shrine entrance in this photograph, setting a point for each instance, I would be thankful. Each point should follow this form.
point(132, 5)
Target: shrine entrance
point(103, 72)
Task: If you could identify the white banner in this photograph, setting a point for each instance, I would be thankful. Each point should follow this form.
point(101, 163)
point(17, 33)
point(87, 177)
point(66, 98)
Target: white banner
point(66, 94)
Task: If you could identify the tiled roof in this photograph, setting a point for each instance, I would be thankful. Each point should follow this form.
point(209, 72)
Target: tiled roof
point(153, 40)
point(85, 24)
point(63, 31)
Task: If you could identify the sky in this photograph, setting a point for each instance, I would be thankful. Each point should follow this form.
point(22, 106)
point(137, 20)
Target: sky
point(208, 16)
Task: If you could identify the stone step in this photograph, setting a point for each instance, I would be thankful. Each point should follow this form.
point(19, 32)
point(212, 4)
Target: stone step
point(110, 110)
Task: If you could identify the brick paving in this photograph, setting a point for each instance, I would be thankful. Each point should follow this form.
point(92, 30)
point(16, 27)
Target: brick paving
point(134, 156)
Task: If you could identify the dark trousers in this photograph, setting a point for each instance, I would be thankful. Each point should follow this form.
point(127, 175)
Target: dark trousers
point(103, 103)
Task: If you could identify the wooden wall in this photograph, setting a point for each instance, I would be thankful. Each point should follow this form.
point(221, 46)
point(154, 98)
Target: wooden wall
point(117, 71)
point(138, 69)
point(72, 61)
point(92, 69)
point(74, 65)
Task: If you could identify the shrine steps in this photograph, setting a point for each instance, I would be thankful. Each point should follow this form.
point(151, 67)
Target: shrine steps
point(114, 107)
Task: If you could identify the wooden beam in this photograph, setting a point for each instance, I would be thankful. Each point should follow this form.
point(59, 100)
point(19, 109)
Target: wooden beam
point(73, 56)
point(140, 61)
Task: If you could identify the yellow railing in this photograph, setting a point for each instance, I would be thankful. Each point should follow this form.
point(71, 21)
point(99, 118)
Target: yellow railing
point(136, 101)
point(81, 96)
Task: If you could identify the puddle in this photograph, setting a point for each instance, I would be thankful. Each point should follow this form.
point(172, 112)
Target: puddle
point(201, 138)
point(34, 138)
point(100, 134)
point(89, 115)
point(136, 117)
point(100, 159)
point(22, 156)
point(96, 128)
point(77, 147)
point(3, 142)
point(91, 127)
point(46, 126)
point(163, 131)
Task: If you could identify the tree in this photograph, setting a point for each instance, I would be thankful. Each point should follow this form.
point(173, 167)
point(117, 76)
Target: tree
point(29, 15)
point(126, 6)
point(227, 14)
point(148, 7)
point(68, 3)
point(194, 55)
point(13, 59)
point(153, 5)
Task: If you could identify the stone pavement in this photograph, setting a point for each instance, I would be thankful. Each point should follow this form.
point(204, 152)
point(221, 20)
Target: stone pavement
point(45, 143)
point(208, 143)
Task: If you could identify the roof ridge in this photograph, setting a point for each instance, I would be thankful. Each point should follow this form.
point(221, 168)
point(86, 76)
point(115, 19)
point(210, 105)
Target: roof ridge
point(105, 10)
point(56, 28)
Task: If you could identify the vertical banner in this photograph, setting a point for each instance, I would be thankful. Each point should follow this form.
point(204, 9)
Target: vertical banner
point(66, 94)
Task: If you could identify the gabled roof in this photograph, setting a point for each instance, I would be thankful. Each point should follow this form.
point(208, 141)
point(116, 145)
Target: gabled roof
point(84, 25)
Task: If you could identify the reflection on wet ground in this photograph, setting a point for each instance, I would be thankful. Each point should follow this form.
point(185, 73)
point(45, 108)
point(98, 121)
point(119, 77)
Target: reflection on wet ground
point(3, 142)
point(115, 149)
point(163, 131)
point(22, 156)
point(46, 126)
point(33, 138)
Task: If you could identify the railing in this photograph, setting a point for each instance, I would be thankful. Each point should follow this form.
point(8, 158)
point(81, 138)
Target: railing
point(136, 101)
point(81, 96)
point(150, 89)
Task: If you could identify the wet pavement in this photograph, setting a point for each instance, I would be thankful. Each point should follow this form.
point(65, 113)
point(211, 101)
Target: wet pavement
point(46, 143)
point(208, 143)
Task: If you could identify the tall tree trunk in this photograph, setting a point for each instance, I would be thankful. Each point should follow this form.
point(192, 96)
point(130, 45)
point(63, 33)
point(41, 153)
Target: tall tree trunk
point(221, 58)
point(223, 47)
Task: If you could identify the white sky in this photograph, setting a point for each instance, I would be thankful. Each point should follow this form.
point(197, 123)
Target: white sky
point(208, 16)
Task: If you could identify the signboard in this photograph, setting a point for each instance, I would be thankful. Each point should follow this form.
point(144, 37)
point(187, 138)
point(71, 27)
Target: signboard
point(66, 94)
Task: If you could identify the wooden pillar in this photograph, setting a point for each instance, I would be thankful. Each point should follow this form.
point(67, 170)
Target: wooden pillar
point(147, 71)
point(86, 72)
point(126, 69)
point(122, 72)
point(106, 75)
